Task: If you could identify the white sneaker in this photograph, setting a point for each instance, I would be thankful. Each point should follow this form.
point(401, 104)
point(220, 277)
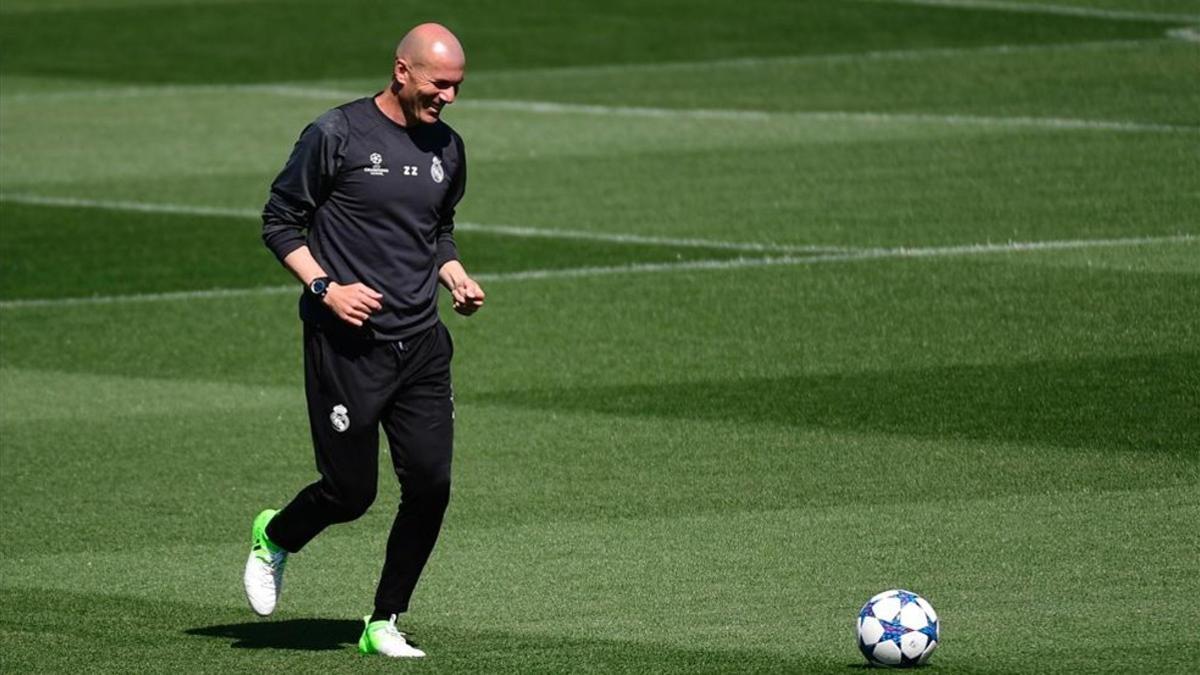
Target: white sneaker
point(382, 637)
point(263, 577)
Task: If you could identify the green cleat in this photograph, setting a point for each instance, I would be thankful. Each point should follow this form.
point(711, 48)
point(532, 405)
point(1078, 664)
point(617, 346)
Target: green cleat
point(263, 577)
point(382, 637)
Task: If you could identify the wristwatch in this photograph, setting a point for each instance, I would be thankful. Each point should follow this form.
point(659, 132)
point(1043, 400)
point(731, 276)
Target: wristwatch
point(319, 287)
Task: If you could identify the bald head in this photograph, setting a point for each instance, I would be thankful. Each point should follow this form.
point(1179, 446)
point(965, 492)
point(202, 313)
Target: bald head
point(431, 45)
point(426, 75)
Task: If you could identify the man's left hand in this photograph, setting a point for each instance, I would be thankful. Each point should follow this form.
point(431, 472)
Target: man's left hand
point(468, 296)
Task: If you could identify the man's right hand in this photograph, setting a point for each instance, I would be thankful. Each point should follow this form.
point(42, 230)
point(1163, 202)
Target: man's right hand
point(352, 303)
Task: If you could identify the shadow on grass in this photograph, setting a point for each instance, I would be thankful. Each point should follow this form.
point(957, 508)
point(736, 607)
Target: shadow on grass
point(303, 634)
point(1139, 403)
point(120, 628)
point(456, 648)
point(462, 649)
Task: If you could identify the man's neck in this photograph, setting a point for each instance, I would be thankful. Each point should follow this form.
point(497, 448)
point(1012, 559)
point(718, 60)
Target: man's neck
point(386, 102)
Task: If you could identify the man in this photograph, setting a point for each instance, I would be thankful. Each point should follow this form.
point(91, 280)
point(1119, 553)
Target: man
point(374, 184)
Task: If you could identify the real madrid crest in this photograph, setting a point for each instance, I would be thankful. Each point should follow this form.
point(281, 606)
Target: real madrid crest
point(340, 418)
point(436, 170)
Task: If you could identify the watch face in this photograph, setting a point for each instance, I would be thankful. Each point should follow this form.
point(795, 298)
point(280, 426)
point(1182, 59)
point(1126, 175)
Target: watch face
point(318, 286)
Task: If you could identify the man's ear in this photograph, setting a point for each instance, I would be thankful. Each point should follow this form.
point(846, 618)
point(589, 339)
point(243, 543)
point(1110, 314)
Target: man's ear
point(400, 72)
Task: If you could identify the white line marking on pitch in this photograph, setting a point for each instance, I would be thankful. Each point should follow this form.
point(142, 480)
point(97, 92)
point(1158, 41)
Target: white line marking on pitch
point(1187, 34)
point(833, 115)
point(501, 230)
point(849, 256)
point(1046, 8)
point(735, 115)
point(642, 268)
point(138, 207)
point(150, 297)
point(556, 108)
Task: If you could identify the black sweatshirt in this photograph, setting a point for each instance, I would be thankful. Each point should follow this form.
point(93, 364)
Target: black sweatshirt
point(377, 201)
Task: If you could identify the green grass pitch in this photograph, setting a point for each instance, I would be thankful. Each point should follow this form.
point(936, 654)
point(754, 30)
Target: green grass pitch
point(756, 346)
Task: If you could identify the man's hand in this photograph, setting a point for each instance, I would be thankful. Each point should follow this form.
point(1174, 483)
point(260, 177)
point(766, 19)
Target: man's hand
point(468, 296)
point(353, 303)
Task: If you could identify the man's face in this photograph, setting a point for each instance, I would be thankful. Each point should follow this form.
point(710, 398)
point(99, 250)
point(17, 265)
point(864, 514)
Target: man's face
point(427, 88)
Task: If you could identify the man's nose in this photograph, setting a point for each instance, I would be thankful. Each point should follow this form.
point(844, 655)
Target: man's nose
point(448, 95)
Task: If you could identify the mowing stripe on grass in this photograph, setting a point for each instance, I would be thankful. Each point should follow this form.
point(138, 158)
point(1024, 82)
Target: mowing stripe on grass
point(501, 230)
point(838, 57)
point(34, 396)
point(1046, 8)
point(302, 91)
point(693, 265)
point(556, 233)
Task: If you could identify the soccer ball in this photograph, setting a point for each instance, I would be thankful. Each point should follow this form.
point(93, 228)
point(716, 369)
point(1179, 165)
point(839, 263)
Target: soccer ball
point(897, 628)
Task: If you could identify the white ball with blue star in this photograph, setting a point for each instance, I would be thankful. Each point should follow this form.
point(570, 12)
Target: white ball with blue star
point(897, 628)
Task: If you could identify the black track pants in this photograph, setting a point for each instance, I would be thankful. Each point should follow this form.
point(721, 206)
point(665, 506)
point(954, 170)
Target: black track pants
point(353, 386)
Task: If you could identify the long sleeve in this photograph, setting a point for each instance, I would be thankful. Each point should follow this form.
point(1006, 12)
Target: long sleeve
point(447, 250)
point(304, 183)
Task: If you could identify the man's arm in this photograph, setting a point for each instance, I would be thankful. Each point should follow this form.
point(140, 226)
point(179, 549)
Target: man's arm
point(304, 183)
point(468, 295)
point(352, 303)
point(296, 193)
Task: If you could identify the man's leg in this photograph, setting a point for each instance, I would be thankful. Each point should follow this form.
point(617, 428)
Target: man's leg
point(420, 429)
point(347, 383)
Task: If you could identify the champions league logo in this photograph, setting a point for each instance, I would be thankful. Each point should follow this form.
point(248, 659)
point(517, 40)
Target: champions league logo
point(437, 171)
point(376, 168)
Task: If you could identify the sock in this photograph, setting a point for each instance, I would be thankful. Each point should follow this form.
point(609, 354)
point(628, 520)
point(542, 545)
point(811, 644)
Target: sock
point(378, 615)
point(271, 545)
